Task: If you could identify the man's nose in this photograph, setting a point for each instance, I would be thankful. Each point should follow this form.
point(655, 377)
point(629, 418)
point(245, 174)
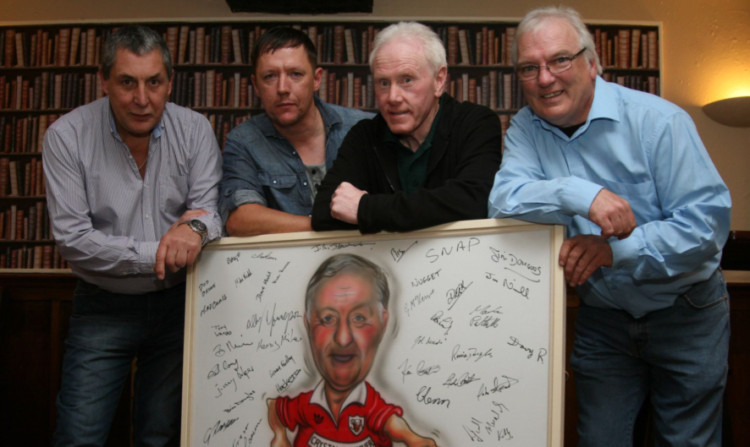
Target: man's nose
point(141, 95)
point(394, 94)
point(283, 85)
point(343, 334)
point(545, 76)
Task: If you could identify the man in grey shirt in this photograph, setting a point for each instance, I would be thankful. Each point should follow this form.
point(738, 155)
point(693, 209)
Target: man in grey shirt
point(132, 186)
point(274, 161)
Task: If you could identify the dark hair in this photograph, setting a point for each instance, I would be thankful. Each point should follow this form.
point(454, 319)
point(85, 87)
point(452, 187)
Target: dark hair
point(351, 264)
point(283, 37)
point(136, 38)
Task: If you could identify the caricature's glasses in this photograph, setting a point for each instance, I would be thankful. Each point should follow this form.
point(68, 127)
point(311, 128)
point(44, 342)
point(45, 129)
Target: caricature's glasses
point(530, 72)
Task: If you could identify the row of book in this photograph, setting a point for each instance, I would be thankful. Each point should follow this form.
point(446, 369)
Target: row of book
point(21, 177)
point(347, 89)
point(25, 224)
point(496, 90)
point(33, 257)
point(199, 44)
point(48, 90)
point(222, 123)
point(227, 44)
point(633, 48)
point(621, 48)
point(64, 47)
point(23, 134)
point(210, 88)
point(618, 47)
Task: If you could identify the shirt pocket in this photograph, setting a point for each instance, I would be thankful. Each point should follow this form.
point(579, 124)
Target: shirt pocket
point(279, 182)
point(287, 192)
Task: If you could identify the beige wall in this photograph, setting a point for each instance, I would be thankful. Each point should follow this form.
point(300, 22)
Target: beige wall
point(705, 48)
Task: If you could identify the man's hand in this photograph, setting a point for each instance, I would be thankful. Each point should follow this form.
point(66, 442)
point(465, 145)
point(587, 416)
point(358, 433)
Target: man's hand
point(179, 246)
point(613, 215)
point(581, 255)
point(345, 202)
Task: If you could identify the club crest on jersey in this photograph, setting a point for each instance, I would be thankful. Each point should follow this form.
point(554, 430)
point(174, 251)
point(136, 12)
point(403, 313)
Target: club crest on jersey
point(356, 424)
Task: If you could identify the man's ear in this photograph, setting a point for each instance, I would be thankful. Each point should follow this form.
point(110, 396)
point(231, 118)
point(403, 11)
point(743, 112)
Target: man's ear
point(592, 69)
point(103, 82)
point(317, 77)
point(252, 81)
point(440, 80)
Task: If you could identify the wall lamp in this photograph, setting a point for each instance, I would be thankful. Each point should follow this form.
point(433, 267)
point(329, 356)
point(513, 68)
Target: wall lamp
point(733, 112)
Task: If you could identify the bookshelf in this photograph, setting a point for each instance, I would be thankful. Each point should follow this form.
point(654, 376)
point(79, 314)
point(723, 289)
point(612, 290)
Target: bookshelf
point(49, 69)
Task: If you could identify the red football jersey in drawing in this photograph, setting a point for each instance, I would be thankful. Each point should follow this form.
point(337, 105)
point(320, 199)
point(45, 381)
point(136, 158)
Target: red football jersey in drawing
point(360, 423)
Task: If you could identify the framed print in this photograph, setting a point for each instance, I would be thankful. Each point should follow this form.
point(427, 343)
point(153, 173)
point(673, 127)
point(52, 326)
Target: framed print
point(448, 336)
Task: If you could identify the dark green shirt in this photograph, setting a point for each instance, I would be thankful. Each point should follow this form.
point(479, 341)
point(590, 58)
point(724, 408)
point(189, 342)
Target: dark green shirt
point(412, 166)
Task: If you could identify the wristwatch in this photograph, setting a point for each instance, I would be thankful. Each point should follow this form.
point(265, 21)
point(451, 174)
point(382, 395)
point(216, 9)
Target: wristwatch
point(199, 227)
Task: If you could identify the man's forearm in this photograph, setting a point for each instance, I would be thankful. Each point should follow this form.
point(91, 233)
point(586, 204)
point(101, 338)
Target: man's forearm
point(252, 219)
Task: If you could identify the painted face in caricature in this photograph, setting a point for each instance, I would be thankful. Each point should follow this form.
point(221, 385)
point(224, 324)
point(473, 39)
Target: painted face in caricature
point(346, 325)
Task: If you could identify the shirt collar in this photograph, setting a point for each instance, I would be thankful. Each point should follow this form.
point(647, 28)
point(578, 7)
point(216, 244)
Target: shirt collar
point(604, 106)
point(358, 395)
point(156, 132)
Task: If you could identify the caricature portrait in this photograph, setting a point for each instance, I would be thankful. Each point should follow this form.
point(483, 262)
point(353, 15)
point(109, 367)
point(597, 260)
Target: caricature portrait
point(346, 315)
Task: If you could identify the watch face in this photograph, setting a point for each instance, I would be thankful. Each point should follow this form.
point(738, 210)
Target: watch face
point(197, 225)
point(200, 228)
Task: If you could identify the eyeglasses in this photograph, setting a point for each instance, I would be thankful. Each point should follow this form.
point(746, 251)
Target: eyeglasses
point(556, 66)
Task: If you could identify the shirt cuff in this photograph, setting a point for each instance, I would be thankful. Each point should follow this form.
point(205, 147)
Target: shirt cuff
point(148, 256)
point(624, 251)
point(237, 198)
point(578, 195)
point(213, 226)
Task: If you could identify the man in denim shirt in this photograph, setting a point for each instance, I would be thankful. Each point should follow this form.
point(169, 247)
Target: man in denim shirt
point(274, 161)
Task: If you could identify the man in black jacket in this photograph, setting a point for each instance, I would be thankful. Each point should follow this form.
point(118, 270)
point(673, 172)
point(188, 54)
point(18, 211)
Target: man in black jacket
point(425, 159)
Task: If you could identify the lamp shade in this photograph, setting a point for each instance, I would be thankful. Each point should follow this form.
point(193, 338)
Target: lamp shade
point(733, 112)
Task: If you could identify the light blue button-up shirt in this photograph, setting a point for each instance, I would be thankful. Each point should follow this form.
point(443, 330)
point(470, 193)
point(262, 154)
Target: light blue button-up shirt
point(647, 151)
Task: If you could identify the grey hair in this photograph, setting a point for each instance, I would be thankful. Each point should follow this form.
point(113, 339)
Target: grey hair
point(432, 47)
point(351, 264)
point(534, 20)
point(138, 39)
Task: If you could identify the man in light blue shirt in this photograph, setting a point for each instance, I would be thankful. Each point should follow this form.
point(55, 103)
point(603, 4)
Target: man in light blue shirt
point(647, 215)
point(274, 162)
